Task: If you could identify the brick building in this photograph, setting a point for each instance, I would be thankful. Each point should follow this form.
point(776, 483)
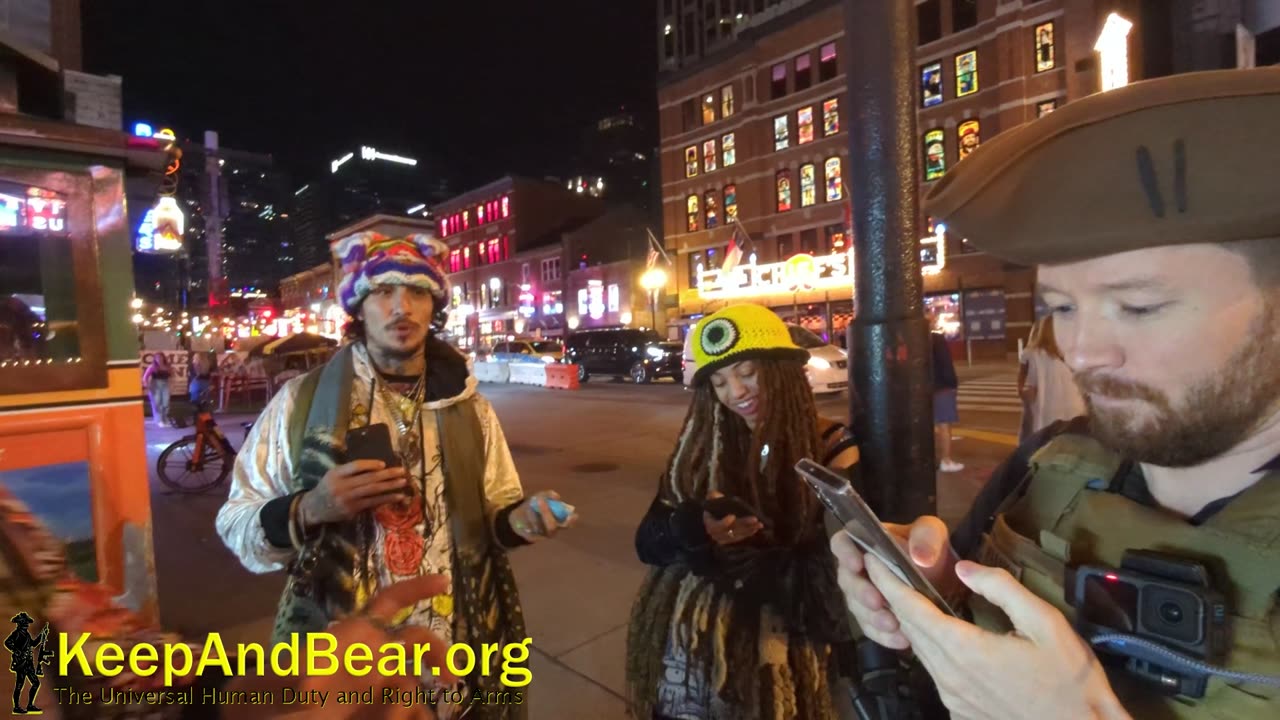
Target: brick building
point(507, 260)
point(755, 130)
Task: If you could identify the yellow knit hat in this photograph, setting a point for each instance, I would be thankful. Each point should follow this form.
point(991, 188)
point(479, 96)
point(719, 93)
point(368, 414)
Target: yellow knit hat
point(741, 332)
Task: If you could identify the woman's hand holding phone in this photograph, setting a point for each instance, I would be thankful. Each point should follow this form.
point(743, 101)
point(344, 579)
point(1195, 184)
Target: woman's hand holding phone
point(728, 528)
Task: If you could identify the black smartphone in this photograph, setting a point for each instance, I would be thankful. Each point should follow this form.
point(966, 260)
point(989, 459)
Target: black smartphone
point(726, 505)
point(372, 442)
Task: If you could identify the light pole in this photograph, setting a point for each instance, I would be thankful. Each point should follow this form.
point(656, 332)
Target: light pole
point(653, 280)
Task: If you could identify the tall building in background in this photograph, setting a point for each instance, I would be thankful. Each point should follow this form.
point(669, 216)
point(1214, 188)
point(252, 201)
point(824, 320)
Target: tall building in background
point(618, 161)
point(237, 244)
point(754, 137)
point(361, 182)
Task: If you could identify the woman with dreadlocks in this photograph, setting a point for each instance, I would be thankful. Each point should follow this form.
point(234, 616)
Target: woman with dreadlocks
point(741, 617)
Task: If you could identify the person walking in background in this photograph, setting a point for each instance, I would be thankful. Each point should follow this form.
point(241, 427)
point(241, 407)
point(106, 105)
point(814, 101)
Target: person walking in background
point(156, 380)
point(1044, 382)
point(199, 377)
point(945, 410)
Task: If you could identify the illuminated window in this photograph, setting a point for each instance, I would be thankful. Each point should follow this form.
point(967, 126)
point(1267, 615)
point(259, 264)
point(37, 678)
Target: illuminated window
point(935, 155)
point(691, 161)
point(967, 73)
point(708, 109)
point(779, 82)
point(727, 147)
point(726, 101)
point(784, 190)
point(466, 257)
point(444, 228)
point(455, 261)
point(781, 133)
point(1046, 107)
point(1045, 59)
point(808, 185)
point(480, 214)
point(713, 214)
point(804, 72)
point(482, 257)
point(931, 84)
point(827, 62)
point(731, 203)
point(692, 210)
point(466, 219)
point(495, 251)
point(804, 121)
point(835, 185)
point(969, 136)
point(709, 155)
point(506, 206)
point(506, 247)
point(830, 117)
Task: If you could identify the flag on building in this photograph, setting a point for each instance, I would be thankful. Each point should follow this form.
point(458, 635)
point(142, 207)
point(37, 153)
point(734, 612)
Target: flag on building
point(733, 254)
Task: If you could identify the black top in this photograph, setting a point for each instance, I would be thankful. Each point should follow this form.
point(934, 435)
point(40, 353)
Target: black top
point(1006, 482)
point(944, 370)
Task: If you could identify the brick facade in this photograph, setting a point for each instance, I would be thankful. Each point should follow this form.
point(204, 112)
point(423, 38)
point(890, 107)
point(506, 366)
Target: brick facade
point(1014, 80)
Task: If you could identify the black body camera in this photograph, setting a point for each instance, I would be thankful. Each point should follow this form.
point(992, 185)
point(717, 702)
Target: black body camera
point(1159, 597)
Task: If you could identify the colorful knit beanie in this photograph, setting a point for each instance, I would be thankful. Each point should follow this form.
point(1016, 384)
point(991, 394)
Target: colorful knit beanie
point(741, 332)
point(370, 259)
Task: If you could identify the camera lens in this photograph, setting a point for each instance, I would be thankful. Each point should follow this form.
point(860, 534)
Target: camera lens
point(1172, 614)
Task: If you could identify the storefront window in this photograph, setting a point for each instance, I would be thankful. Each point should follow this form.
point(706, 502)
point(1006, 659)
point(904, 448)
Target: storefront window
point(808, 185)
point(38, 317)
point(969, 136)
point(943, 313)
point(935, 155)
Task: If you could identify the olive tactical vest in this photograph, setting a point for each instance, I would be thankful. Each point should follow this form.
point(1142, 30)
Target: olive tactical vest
point(1067, 518)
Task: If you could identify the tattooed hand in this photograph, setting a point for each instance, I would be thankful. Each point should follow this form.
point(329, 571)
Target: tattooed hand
point(348, 490)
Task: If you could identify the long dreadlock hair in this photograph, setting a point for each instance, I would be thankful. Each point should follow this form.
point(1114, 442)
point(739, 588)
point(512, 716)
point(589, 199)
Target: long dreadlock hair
point(718, 451)
point(722, 636)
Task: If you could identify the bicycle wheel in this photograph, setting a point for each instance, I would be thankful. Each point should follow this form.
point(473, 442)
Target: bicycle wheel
point(181, 470)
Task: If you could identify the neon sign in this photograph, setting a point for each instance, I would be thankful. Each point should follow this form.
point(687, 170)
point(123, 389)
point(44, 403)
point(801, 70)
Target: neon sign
point(162, 228)
point(799, 273)
point(32, 209)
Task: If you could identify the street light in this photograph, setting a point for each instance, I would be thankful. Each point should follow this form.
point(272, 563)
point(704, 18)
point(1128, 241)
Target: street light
point(653, 280)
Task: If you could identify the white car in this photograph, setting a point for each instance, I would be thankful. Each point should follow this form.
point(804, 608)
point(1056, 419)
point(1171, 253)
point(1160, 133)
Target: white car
point(828, 367)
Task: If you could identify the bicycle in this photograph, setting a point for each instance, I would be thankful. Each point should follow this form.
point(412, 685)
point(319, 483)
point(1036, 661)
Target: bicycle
point(205, 457)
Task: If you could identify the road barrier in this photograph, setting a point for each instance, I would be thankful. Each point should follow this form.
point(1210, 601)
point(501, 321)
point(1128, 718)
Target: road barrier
point(562, 377)
point(528, 374)
point(493, 372)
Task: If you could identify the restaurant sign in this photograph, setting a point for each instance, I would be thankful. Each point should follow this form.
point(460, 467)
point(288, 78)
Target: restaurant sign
point(800, 273)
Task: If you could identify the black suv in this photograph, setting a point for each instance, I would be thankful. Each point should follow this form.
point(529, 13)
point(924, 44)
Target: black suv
point(640, 355)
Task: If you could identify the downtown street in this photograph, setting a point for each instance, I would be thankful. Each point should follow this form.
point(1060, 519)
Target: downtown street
point(602, 448)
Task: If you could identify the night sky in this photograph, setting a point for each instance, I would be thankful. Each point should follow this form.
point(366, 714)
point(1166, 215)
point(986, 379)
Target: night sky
point(485, 86)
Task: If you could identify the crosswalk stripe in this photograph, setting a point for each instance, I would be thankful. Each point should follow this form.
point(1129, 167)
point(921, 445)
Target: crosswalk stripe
point(997, 394)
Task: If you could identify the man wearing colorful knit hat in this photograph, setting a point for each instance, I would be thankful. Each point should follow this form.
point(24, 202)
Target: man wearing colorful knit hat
point(447, 501)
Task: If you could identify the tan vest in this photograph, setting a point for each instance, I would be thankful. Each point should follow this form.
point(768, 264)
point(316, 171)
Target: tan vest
point(1061, 522)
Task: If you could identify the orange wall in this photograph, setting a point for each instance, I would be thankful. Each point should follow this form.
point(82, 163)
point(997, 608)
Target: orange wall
point(110, 438)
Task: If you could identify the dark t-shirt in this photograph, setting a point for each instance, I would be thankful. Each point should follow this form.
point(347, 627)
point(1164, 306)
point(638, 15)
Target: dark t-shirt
point(1006, 483)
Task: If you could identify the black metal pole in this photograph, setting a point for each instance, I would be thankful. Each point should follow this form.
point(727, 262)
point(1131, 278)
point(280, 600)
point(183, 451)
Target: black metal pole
point(891, 371)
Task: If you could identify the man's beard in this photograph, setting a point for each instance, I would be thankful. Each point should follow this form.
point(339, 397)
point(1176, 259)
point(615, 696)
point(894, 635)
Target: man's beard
point(1220, 411)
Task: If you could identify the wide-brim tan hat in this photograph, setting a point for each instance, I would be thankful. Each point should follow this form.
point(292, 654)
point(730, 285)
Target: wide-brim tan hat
point(1189, 158)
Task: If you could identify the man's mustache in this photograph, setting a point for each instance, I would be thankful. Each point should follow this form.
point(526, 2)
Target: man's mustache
point(1115, 388)
point(401, 321)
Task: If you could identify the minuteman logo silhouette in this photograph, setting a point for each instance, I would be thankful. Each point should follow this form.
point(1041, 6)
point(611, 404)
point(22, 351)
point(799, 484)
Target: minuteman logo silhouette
point(29, 656)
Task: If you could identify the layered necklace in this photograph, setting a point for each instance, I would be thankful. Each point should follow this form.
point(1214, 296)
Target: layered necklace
point(404, 548)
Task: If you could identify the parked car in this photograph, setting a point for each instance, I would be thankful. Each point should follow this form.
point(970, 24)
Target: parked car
point(828, 367)
point(639, 355)
point(544, 351)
